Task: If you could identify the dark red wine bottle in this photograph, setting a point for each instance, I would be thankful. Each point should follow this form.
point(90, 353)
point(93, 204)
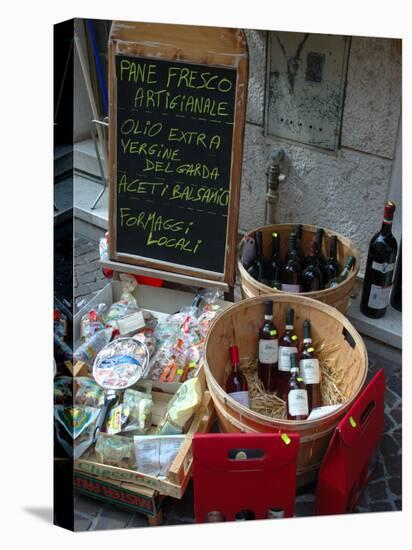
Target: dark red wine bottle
point(288, 344)
point(268, 350)
point(236, 383)
point(380, 266)
point(309, 368)
point(276, 263)
point(396, 294)
point(332, 267)
point(311, 276)
point(263, 266)
point(299, 246)
point(297, 406)
point(291, 271)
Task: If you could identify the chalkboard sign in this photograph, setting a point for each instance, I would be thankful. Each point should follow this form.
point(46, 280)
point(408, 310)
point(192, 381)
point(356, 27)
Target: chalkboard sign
point(172, 188)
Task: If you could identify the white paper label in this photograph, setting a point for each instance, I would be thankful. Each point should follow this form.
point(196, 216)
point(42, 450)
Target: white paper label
point(291, 288)
point(309, 370)
point(268, 351)
point(284, 358)
point(241, 397)
point(322, 411)
point(298, 403)
point(379, 296)
point(383, 268)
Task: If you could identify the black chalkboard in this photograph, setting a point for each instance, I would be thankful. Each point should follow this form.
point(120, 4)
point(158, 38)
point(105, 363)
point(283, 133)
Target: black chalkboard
point(174, 133)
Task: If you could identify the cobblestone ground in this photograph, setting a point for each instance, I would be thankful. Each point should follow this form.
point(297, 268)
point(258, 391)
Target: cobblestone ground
point(88, 276)
point(383, 493)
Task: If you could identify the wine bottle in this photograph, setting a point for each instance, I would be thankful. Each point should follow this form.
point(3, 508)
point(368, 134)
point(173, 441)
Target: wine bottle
point(344, 273)
point(287, 345)
point(236, 383)
point(262, 266)
point(276, 263)
point(299, 246)
point(319, 241)
point(309, 368)
point(396, 294)
point(291, 271)
point(268, 349)
point(332, 267)
point(380, 266)
point(297, 406)
point(311, 276)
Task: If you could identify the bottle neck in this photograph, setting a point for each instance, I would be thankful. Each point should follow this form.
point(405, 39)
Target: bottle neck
point(289, 328)
point(386, 228)
point(268, 317)
point(307, 340)
point(332, 251)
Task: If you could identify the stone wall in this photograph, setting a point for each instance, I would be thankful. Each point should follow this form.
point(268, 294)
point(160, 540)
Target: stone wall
point(345, 190)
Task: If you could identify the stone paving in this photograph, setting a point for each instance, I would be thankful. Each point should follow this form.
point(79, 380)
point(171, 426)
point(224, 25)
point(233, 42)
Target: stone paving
point(88, 276)
point(383, 493)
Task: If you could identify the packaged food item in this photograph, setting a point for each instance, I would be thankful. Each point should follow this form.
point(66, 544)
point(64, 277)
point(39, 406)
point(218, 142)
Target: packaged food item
point(62, 352)
point(126, 305)
point(181, 408)
point(88, 350)
point(155, 455)
point(115, 450)
point(121, 364)
point(59, 324)
point(136, 411)
point(209, 314)
point(75, 418)
point(104, 254)
point(87, 392)
point(91, 323)
point(63, 390)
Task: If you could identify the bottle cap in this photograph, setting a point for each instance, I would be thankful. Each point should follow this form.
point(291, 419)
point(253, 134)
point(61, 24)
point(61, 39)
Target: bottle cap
point(389, 211)
point(290, 316)
point(234, 355)
point(307, 329)
point(269, 308)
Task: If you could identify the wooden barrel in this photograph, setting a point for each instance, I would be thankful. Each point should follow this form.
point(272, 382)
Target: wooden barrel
point(239, 325)
point(337, 297)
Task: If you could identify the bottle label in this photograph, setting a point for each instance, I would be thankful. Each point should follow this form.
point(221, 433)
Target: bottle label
point(284, 357)
point(290, 288)
point(268, 351)
point(383, 268)
point(298, 403)
point(241, 397)
point(379, 296)
point(309, 370)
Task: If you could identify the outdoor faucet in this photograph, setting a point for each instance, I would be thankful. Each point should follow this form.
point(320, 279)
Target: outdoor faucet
point(274, 177)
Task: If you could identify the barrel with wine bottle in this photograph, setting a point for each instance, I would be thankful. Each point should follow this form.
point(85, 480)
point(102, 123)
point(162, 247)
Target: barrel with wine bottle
point(295, 258)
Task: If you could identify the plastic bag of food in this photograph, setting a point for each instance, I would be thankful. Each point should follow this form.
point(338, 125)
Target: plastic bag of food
point(126, 305)
point(137, 411)
point(88, 392)
point(63, 390)
point(92, 322)
point(88, 350)
point(59, 324)
point(75, 427)
point(181, 408)
point(62, 352)
point(155, 455)
point(115, 450)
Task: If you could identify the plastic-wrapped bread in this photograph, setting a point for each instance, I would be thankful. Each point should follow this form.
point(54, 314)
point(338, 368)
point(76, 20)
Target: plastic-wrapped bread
point(181, 408)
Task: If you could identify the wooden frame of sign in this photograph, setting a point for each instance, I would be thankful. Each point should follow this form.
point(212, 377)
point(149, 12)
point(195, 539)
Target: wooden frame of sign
point(177, 98)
